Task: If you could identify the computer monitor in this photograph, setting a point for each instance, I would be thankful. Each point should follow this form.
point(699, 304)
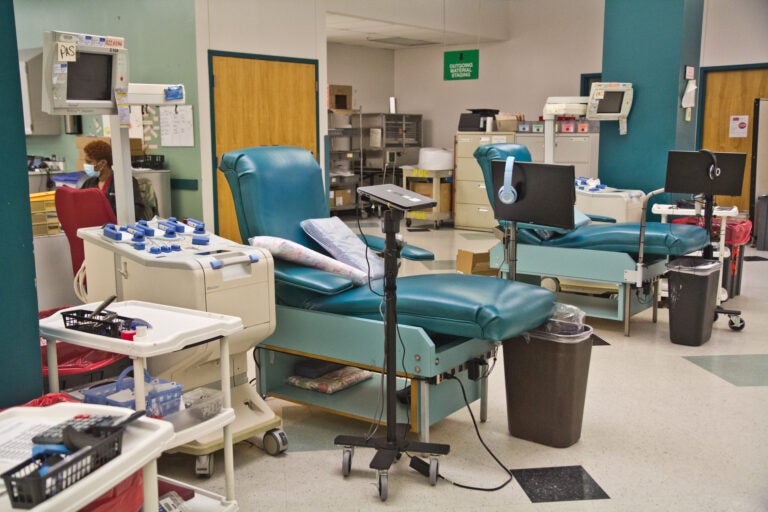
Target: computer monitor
point(609, 101)
point(695, 172)
point(81, 73)
point(545, 193)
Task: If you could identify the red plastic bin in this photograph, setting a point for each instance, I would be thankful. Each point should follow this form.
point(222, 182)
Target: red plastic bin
point(737, 231)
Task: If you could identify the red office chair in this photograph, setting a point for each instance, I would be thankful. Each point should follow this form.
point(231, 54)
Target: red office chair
point(81, 208)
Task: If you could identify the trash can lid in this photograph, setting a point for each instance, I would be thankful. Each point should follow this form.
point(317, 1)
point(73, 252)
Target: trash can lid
point(692, 265)
point(562, 332)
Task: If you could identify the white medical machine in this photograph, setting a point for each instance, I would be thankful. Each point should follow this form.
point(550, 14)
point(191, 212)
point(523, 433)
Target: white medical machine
point(607, 101)
point(88, 74)
point(180, 264)
point(622, 205)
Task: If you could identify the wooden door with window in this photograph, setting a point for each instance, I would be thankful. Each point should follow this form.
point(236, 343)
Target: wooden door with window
point(259, 101)
point(732, 92)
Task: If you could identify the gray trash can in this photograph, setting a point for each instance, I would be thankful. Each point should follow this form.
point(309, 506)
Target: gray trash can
point(693, 284)
point(546, 382)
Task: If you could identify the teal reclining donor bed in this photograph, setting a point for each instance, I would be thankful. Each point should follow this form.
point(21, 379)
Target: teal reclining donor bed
point(446, 322)
point(611, 256)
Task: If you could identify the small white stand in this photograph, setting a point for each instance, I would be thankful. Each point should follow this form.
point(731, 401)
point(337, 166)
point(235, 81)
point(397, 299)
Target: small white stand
point(171, 329)
point(723, 213)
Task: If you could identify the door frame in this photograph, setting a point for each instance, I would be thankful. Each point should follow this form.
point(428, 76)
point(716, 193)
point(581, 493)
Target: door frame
point(703, 74)
point(211, 84)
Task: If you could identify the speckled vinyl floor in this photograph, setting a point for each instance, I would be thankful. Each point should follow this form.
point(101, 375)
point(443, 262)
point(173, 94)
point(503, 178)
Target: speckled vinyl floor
point(666, 427)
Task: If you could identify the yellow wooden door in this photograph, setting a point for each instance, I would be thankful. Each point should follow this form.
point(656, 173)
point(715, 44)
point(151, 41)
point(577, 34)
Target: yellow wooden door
point(730, 93)
point(259, 102)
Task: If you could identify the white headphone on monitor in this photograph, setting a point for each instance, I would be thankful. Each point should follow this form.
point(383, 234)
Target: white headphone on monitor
point(714, 169)
point(507, 193)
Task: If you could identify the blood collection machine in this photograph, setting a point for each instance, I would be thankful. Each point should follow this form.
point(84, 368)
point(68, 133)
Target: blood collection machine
point(180, 264)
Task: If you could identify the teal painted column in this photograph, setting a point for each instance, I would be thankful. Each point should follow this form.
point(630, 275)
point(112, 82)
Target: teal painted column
point(649, 43)
point(20, 370)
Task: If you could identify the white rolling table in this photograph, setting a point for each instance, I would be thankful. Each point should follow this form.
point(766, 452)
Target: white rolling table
point(723, 212)
point(172, 329)
point(143, 441)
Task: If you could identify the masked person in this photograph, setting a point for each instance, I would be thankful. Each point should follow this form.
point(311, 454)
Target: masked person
point(98, 168)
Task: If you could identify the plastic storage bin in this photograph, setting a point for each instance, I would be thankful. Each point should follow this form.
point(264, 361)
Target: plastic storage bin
point(693, 284)
point(546, 382)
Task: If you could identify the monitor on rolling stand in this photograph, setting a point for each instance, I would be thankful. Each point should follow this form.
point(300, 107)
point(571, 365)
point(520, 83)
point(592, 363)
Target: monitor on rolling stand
point(532, 193)
point(709, 174)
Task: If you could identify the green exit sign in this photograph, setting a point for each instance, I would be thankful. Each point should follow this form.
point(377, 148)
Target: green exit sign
point(461, 65)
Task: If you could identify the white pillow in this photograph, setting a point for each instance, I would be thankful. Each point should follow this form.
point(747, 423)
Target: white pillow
point(296, 253)
point(343, 244)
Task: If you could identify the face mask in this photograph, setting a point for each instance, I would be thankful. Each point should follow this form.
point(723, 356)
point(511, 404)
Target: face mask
point(90, 170)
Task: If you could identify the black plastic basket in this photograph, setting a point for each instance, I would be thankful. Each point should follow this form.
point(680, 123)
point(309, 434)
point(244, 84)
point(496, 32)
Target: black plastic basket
point(27, 487)
point(104, 323)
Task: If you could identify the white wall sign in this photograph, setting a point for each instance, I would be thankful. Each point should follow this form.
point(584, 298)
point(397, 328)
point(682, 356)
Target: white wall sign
point(738, 127)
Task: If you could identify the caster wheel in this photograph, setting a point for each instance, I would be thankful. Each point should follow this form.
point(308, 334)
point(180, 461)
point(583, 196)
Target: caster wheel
point(408, 222)
point(275, 441)
point(736, 323)
point(383, 485)
point(434, 466)
point(204, 465)
point(346, 461)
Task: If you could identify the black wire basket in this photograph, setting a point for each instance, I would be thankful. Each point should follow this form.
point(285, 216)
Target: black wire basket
point(104, 323)
point(35, 480)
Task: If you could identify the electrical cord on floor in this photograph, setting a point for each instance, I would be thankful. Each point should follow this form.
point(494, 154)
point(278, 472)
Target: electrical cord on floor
point(423, 467)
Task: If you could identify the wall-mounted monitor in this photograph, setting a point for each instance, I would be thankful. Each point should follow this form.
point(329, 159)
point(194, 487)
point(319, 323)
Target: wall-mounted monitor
point(609, 101)
point(81, 73)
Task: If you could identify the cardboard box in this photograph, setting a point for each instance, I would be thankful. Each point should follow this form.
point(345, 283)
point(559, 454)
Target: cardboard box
point(340, 96)
point(478, 263)
point(342, 197)
point(425, 189)
point(506, 125)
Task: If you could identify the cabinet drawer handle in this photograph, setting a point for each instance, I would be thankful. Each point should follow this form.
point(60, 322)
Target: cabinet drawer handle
point(483, 210)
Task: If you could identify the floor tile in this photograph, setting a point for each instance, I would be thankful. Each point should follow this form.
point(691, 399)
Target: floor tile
point(567, 483)
point(739, 370)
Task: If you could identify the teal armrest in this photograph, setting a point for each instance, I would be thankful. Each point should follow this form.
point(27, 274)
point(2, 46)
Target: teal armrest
point(312, 279)
point(409, 252)
point(601, 218)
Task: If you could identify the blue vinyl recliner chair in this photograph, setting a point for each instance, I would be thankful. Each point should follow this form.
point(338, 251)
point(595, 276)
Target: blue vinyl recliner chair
point(446, 322)
point(626, 257)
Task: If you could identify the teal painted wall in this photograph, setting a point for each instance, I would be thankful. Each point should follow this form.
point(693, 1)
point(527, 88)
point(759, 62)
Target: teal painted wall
point(160, 37)
point(20, 369)
point(648, 43)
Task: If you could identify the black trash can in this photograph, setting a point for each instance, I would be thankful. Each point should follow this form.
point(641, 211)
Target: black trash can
point(693, 287)
point(546, 382)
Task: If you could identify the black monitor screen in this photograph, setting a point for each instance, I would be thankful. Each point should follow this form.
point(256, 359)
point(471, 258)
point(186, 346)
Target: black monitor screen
point(688, 172)
point(545, 194)
point(90, 77)
point(611, 102)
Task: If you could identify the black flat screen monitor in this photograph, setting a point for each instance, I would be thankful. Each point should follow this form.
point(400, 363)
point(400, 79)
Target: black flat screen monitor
point(545, 194)
point(688, 172)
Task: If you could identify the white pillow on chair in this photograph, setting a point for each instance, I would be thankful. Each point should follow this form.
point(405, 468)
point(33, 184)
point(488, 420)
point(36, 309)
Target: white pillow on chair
point(343, 244)
point(296, 253)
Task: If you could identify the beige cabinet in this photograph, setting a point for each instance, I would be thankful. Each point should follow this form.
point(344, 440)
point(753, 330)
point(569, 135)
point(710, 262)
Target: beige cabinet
point(580, 149)
point(472, 209)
